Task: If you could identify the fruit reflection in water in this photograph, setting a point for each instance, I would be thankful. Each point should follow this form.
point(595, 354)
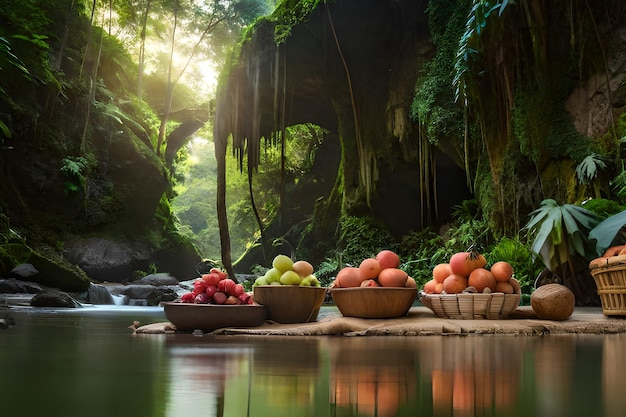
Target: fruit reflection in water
point(372, 386)
point(471, 376)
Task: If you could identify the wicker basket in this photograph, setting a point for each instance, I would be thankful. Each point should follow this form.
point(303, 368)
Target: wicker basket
point(470, 306)
point(611, 282)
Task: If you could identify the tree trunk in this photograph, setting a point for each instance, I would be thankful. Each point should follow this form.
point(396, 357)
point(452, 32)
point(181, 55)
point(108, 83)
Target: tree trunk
point(169, 92)
point(142, 48)
point(222, 218)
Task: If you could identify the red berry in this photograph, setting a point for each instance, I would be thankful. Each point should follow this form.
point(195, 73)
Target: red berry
point(219, 297)
point(225, 285)
point(199, 285)
point(211, 279)
point(202, 298)
point(222, 274)
point(245, 298)
point(210, 291)
point(238, 290)
point(188, 297)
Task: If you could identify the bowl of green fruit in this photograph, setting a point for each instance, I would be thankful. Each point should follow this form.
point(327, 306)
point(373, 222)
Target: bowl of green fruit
point(290, 291)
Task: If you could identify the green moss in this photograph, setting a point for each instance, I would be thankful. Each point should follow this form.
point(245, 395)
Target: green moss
point(433, 104)
point(289, 14)
point(55, 274)
point(604, 207)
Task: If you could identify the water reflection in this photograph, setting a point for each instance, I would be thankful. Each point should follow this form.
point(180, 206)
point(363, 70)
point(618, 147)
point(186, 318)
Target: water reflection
point(369, 381)
point(613, 371)
point(469, 375)
point(77, 364)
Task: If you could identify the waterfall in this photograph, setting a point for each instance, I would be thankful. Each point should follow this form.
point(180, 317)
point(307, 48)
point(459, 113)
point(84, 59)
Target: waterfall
point(99, 294)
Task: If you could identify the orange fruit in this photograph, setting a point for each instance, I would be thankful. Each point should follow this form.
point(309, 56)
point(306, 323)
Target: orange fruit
point(392, 277)
point(370, 268)
point(481, 278)
point(349, 276)
point(502, 271)
point(302, 268)
point(463, 263)
point(429, 287)
point(441, 272)
point(454, 284)
point(410, 283)
point(388, 259)
point(505, 287)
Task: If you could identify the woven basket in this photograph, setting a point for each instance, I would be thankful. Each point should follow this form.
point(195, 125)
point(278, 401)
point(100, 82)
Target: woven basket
point(471, 306)
point(611, 282)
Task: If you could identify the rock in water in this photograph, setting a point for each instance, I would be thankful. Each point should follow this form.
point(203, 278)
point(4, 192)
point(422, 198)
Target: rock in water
point(54, 299)
point(553, 302)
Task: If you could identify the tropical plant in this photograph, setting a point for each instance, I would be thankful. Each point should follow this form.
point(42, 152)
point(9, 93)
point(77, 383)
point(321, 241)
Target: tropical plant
point(589, 172)
point(618, 184)
point(609, 232)
point(561, 233)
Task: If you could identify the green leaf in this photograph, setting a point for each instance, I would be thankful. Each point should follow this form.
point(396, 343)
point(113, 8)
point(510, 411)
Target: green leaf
point(609, 232)
point(5, 129)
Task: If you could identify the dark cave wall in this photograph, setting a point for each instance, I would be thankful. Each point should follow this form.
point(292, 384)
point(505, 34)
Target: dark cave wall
point(350, 68)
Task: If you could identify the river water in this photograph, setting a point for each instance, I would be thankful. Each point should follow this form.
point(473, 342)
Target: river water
point(88, 363)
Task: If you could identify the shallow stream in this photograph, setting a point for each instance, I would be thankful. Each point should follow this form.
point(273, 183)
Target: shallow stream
point(88, 363)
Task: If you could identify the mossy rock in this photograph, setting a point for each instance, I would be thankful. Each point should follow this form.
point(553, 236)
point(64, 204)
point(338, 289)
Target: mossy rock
point(12, 254)
point(54, 274)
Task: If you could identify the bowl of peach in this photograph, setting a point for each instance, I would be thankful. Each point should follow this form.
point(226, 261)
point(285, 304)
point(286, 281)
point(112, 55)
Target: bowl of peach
point(375, 289)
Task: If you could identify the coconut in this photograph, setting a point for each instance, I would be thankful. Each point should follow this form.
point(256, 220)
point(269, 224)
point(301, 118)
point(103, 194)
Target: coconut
point(553, 302)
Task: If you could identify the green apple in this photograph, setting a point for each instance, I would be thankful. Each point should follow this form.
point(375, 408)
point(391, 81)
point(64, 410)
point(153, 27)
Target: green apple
point(314, 281)
point(260, 281)
point(283, 263)
point(272, 275)
point(290, 278)
point(310, 281)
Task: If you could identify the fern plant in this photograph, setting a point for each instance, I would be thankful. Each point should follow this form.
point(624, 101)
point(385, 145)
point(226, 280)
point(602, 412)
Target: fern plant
point(74, 169)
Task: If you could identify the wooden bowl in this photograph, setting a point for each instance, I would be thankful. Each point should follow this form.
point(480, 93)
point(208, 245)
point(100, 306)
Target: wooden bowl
point(290, 303)
point(210, 317)
point(374, 302)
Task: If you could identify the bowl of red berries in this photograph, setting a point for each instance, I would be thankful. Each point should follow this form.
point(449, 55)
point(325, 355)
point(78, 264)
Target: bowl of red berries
point(215, 302)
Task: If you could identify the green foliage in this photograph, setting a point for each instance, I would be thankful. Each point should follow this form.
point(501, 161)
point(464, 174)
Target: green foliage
point(196, 191)
point(590, 170)
point(362, 237)
point(526, 265)
point(420, 252)
point(468, 44)
point(603, 207)
point(560, 233)
point(74, 169)
point(618, 184)
point(290, 13)
point(328, 269)
point(544, 128)
point(433, 103)
point(609, 232)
